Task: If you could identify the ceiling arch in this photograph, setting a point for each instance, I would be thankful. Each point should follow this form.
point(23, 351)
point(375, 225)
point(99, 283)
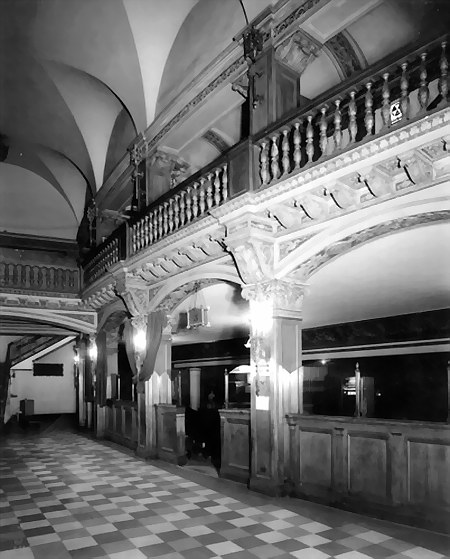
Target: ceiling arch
point(374, 279)
point(50, 215)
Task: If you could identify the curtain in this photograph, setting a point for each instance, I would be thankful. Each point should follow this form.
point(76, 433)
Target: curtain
point(128, 335)
point(154, 334)
point(101, 368)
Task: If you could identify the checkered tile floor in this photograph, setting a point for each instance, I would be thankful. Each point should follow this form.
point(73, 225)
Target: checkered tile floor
point(66, 496)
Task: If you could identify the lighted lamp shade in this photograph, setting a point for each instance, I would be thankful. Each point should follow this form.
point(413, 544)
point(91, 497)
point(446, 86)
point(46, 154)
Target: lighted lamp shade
point(197, 316)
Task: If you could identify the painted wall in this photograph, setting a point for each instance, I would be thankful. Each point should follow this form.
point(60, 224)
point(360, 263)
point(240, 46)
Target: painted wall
point(50, 394)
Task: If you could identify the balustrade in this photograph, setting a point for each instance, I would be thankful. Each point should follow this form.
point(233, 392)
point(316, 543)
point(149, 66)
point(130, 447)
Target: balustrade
point(29, 277)
point(377, 101)
point(374, 102)
point(189, 201)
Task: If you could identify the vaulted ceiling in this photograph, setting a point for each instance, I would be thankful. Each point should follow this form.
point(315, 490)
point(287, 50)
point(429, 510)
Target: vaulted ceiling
point(79, 79)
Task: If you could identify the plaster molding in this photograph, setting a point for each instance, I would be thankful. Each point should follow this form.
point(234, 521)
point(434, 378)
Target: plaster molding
point(298, 51)
point(78, 321)
point(342, 50)
point(412, 136)
point(350, 242)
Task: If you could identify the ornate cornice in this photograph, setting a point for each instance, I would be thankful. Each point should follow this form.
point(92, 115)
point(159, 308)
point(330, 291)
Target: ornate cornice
point(39, 301)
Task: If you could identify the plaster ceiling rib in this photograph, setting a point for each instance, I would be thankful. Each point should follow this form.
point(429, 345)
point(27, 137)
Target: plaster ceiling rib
point(37, 113)
point(64, 177)
point(94, 108)
point(153, 39)
point(95, 38)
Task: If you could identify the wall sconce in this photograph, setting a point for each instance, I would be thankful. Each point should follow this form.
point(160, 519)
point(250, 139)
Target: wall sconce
point(76, 357)
point(92, 351)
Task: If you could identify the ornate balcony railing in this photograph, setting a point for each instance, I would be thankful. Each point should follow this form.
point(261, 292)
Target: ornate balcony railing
point(17, 277)
point(191, 200)
point(397, 90)
point(382, 98)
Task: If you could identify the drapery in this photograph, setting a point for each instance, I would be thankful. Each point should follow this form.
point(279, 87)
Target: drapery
point(128, 337)
point(155, 322)
point(154, 335)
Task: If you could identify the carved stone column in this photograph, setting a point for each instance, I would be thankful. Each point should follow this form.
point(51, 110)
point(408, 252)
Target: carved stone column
point(158, 390)
point(277, 377)
point(112, 365)
point(134, 293)
point(275, 352)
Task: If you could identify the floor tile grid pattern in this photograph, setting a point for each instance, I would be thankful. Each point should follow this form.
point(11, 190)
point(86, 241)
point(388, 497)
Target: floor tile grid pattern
point(67, 496)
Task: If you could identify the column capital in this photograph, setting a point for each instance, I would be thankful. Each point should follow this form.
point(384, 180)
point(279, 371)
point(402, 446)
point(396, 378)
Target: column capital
point(134, 293)
point(251, 241)
point(285, 297)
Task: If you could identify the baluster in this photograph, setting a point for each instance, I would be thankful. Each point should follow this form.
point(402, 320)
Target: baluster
point(264, 164)
point(297, 139)
point(171, 223)
point(423, 93)
point(404, 99)
point(443, 65)
point(188, 204)
point(133, 238)
point(209, 192)
point(337, 125)
point(323, 125)
point(352, 125)
point(182, 208)
point(160, 222)
point(309, 139)
point(151, 228)
point(165, 218)
point(368, 117)
point(285, 161)
point(201, 196)
point(386, 103)
point(147, 230)
point(139, 235)
point(176, 211)
point(217, 187)
point(195, 197)
point(274, 158)
point(225, 183)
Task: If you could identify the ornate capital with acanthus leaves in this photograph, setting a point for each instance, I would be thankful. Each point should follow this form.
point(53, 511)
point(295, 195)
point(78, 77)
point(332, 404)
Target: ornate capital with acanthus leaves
point(285, 296)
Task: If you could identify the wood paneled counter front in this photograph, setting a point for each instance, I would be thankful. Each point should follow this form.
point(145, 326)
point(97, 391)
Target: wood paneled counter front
point(392, 469)
point(235, 444)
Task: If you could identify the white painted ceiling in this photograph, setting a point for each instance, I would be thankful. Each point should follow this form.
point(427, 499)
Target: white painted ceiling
point(80, 78)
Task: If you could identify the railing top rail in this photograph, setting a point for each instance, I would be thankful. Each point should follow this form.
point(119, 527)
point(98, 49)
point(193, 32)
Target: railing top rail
point(394, 59)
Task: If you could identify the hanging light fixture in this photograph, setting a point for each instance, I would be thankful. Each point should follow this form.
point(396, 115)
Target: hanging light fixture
point(197, 315)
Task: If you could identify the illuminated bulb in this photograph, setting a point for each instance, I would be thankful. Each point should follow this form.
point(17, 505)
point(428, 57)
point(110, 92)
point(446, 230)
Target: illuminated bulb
point(139, 341)
point(93, 351)
point(76, 358)
point(324, 361)
point(261, 316)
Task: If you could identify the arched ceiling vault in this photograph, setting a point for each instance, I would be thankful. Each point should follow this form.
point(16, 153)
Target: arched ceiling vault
point(79, 79)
